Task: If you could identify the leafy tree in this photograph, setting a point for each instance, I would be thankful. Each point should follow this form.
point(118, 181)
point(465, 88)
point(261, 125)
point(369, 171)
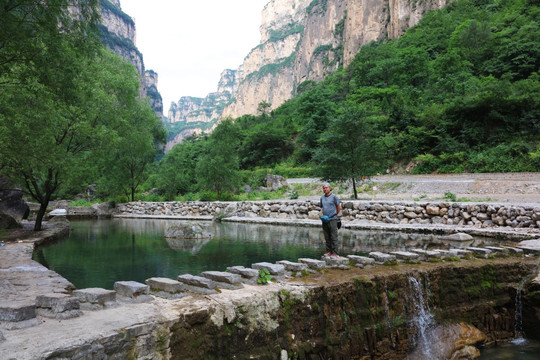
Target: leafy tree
point(217, 167)
point(348, 148)
point(266, 144)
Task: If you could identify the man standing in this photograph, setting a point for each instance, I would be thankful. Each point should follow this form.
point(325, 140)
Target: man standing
point(331, 207)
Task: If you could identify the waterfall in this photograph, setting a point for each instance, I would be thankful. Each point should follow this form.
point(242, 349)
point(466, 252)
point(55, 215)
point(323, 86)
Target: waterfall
point(518, 319)
point(423, 319)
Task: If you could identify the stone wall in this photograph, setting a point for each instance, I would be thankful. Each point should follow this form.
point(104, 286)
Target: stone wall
point(481, 215)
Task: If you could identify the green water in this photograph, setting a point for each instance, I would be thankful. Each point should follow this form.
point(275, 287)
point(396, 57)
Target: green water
point(100, 252)
point(519, 349)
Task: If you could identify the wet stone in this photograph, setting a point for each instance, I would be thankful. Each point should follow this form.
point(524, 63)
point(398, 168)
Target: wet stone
point(273, 269)
point(381, 257)
point(312, 263)
point(361, 259)
point(131, 289)
point(293, 266)
point(447, 253)
point(513, 249)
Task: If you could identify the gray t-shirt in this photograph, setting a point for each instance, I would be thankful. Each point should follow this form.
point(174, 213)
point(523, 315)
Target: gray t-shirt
point(328, 205)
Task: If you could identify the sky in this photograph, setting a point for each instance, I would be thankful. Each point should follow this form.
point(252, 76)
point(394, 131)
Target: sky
point(189, 43)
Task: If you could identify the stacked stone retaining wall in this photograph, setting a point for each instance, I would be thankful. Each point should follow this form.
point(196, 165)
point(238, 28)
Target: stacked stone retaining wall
point(482, 215)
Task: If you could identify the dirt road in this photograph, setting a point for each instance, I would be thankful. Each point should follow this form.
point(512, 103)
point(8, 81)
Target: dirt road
point(486, 187)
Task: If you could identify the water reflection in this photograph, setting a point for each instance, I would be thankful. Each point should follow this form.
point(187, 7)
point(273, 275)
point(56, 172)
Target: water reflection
point(98, 253)
point(514, 350)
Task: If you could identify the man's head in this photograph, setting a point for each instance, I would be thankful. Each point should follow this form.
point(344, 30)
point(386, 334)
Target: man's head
point(326, 188)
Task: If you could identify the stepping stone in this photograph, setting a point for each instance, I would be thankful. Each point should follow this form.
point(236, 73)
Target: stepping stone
point(198, 284)
point(312, 263)
point(363, 260)
point(405, 255)
point(293, 266)
point(514, 250)
point(381, 257)
point(166, 288)
point(131, 289)
point(498, 249)
point(224, 280)
point(458, 237)
point(482, 251)
point(95, 295)
point(16, 311)
point(447, 253)
point(425, 255)
point(462, 252)
point(273, 269)
point(336, 262)
point(58, 306)
point(249, 275)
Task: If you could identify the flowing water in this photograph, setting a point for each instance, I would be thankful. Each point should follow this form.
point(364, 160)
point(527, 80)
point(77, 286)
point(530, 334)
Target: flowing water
point(101, 252)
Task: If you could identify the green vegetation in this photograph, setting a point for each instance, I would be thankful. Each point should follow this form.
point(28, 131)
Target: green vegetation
point(264, 276)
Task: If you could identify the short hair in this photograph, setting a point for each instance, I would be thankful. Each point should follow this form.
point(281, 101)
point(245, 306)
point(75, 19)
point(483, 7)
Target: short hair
point(327, 184)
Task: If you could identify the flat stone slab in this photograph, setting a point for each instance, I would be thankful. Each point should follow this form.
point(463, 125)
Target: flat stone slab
point(58, 212)
point(447, 253)
point(222, 276)
point(244, 271)
point(197, 281)
point(514, 250)
point(458, 237)
point(336, 261)
point(481, 251)
point(164, 284)
point(462, 252)
point(530, 245)
point(273, 269)
point(405, 255)
point(58, 302)
point(427, 254)
point(498, 249)
point(364, 260)
point(293, 266)
point(131, 289)
point(16, 311)
point(312, 263)
point(95, 295)
point(381, 257)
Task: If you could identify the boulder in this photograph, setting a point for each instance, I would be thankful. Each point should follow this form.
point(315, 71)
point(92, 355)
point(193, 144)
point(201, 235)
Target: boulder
point(11, 201)
point(275, 182)
point(8, 222)
point(188, 231)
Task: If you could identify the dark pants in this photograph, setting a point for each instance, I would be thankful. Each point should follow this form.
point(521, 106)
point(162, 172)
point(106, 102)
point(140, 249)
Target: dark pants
point(330, 236)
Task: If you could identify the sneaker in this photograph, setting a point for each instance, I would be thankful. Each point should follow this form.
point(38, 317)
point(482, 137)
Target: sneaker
point(327, 253)
point(335, 255)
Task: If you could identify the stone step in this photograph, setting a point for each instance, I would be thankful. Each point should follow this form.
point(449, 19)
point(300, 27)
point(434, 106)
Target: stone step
point(198, 284)
point(405, 255)
point(273, 269)
point(312, 263)
point(514, 250)
point(481, 251)
point(462, 252)
point(224, 280)
point(16, 311)
point(361, 261)
point(249, 275)
point(293, 266)
point(447, 253)
point(166, 288)
point(381, 257)
point(58, 306)
point(133, 290)
point(95, 298)
point(426, 255)
point(498, 249)
point(338, 262)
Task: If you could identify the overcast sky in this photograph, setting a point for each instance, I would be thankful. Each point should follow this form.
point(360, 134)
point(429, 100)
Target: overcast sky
point(189, 43)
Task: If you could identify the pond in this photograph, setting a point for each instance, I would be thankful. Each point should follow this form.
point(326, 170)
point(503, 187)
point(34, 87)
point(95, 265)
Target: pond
point(100, 252)
point(519, 349)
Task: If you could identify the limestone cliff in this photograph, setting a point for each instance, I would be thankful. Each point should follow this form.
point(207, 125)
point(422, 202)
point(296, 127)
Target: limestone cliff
point(309, 39)
point(118, 33)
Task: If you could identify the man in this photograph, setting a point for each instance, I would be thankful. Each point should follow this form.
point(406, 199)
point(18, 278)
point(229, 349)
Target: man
point(331, 207)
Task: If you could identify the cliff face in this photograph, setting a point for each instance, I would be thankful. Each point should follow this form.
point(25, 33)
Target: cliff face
point(118, 33)
point(309, 39)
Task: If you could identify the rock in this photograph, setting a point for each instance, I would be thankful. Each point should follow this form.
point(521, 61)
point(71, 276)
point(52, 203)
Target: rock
point(103, 210)
point(273, 269)
point(361, 259)
point(8, 222)
point(222, 276)
point(188, 231)
point(312, 263)
point(60, 221)
point(164, 284)
point(95, 295)
point(458, 237)
point(11, 200)
point(58, 306)
point(131, 289)
point(198, 281)
point(292, 266)
point(405, 255)
point(58, 212)
point(275, 182)
point(381, 257)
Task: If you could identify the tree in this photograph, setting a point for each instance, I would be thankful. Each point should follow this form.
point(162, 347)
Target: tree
point(348, 149)
point(217, 168)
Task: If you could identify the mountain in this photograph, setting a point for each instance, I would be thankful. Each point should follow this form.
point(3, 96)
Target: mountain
point(118, 33)
point(302, 42)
